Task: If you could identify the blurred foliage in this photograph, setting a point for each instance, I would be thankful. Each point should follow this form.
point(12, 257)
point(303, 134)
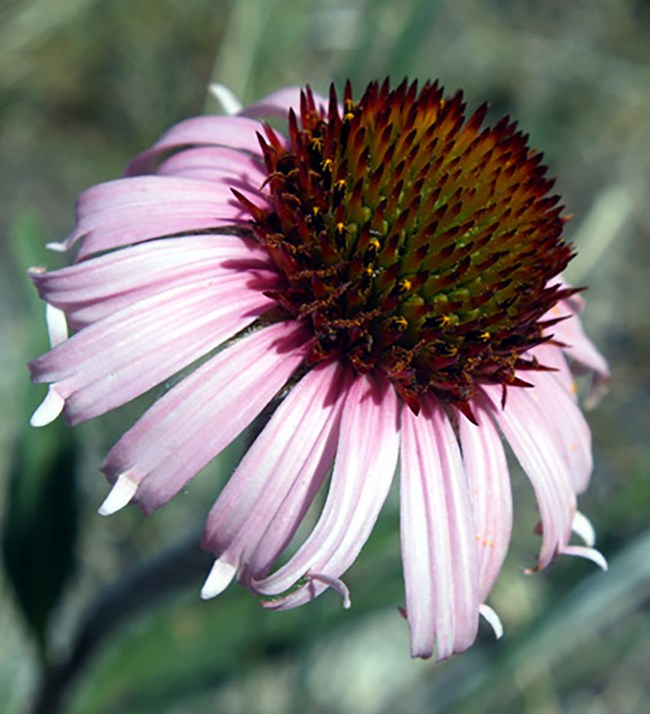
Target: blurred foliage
point(84, 84)
point(40, 524)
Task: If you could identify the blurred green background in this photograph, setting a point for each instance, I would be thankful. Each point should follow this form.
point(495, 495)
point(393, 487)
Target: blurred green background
point(103, 615)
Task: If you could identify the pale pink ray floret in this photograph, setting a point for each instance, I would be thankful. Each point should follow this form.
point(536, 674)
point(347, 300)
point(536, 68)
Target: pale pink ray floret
point(164, 277)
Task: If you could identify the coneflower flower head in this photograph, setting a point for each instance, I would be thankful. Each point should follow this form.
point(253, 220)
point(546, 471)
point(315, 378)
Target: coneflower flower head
point(388, 277)
point(414, 242)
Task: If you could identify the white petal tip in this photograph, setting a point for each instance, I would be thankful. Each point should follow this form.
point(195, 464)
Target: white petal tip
point(592, 554)
point(582, 527)
point(490, 616)
point(226, 99)
point(220, 577)
point(49, 409)
point(121, 494)
point(57, 325)
point(597, 391)
point(57, 247)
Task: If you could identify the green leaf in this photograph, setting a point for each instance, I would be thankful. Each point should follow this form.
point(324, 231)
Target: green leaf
point(40, 521)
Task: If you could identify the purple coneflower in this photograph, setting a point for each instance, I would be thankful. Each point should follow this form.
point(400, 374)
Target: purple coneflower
point(387, 274)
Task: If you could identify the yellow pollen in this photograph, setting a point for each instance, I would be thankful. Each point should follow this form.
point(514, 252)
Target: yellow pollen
point(445, 320)
point(404, 285)
point(327, 165)
point(317, 143)
point(348, 114)
point(401, 323)
point(485, 335)
point(485, 542)
point(341, 228)
point(574, 388)
point(340, 185)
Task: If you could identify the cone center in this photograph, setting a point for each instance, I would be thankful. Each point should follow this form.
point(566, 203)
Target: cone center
point(414, 241)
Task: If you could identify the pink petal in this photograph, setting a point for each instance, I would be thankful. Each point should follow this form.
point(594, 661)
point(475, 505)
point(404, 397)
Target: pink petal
point(550, 355)
point(279, 103)
point(540, 453)
point(201, 415)
point(291, 512)
point(365, 463)
point(115, 360)
point(133, 210)
point(565, 420)
point(232, 132)
point(96, 288)
point(581, 350)
point(289, 458)
point(488, 480)
point(216, 163)
point(438, 540)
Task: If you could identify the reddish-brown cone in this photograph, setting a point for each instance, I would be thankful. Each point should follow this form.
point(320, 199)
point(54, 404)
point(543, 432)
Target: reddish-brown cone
point(412, 240)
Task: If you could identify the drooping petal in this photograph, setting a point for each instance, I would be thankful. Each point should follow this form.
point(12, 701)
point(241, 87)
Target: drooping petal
point(565, 420)
point(290, 457)
point(438, 536)
point(540, 453)
point(232, 132)
point(278, 104)
point(216, 163)
point(581, 350)
point(298, 500)
point(365, 463)
point(132, 210)
point(98, 287)
point(124, 355)
point(488, 480)
point(201, 415)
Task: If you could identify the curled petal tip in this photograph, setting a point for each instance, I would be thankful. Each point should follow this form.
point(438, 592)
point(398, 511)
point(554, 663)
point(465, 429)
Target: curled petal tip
point(582, 527)
point(336, 584)
point(57, 325)
point(57, 247)
point(49, 409)
point(490, 616)
point(227, 99)
point(121, 494)
point(598, 389)
point(589, 553)
point(220, 577)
